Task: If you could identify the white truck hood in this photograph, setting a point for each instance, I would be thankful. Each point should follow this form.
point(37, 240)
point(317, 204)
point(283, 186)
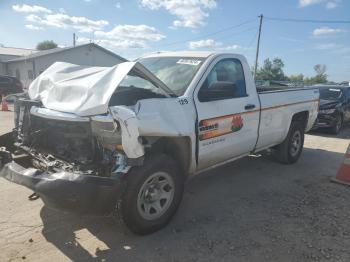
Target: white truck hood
point(83, 90)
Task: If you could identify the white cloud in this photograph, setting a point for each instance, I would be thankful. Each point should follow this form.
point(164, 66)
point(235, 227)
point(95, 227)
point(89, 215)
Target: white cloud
point(31, 9)
point(33, 27)
point(326, 31)
point(62, 10)
point(330, 4)
point(120, 37)
point(304, 3)
point(118, 5)
point(131, 32)
point(189, 13)
point(213, 45)
point(230, 48)
point(60, 20)
point(206, 43)
point(113, 44)
point(126, 36)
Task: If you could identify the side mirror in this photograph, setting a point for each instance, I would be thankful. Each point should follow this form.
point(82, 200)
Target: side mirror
point(217, 91)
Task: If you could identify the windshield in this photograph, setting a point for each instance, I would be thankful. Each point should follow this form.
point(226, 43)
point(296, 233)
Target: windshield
point(175, 72)
point(330, 93)
point(135, 81)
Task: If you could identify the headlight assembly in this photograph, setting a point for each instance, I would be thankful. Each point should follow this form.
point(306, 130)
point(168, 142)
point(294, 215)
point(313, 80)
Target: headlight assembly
point(327, 111)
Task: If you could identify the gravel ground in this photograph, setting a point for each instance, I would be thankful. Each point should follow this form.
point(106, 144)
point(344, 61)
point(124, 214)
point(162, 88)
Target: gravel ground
point(253, 209)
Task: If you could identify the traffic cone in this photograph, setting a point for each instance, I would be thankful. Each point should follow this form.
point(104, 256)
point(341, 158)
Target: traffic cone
point(4, 106)
point(343, 174)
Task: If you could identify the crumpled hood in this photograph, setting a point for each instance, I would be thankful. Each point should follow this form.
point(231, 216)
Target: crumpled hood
point(82, 90)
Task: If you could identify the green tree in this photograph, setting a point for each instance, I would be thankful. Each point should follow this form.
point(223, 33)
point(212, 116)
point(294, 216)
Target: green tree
point(271, 70)
point(45, 45)
point(321, 76)
point(296, 78)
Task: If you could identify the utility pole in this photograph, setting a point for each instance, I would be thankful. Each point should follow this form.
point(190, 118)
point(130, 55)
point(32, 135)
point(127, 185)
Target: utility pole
point(258, 46)
point(73, 39)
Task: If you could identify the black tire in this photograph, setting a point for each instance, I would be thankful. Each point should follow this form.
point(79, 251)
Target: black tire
point(136, 179)
point(338, 125)
point(286, 152)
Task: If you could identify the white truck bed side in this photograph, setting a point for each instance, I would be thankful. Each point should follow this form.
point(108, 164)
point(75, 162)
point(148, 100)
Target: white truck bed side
point(277, 109)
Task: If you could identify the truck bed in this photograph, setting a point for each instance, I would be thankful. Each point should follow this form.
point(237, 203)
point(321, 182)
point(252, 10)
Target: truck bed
point(277, 108)
point(264, 89)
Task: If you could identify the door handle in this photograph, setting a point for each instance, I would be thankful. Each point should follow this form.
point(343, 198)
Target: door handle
point(249, 107)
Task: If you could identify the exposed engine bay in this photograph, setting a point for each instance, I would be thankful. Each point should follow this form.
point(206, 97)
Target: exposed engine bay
point(64, 142)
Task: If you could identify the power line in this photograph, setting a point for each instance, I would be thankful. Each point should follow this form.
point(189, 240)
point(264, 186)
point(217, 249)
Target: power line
point(235, 33)
point(255, 36)
point(231, 34)
point(210, 34)
point(308, 20)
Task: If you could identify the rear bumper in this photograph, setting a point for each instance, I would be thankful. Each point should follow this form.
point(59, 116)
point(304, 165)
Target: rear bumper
point(68, 191)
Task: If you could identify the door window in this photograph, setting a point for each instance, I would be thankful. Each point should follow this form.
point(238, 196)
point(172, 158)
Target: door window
point(225, 81)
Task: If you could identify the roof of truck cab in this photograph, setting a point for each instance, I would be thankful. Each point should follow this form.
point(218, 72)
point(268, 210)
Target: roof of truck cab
point(200, 54)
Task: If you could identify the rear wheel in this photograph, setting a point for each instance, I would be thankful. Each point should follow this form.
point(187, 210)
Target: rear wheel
point(337, 126)
point(290, 150)
point(153, 194)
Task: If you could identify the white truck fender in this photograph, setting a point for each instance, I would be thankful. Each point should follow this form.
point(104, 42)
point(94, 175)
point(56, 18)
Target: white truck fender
point(129, 131)
point(158, 117)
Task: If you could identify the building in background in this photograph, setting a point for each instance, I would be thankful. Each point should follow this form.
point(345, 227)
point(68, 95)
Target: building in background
point(27, 65)
point(9, 53)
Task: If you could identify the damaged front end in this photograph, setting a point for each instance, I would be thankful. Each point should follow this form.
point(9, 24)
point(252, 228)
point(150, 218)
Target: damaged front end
point(72, 162)
point(81, 129)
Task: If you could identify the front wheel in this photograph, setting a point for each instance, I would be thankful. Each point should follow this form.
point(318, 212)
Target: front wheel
point(153, 194)
point(290, 150)
point(337, 125)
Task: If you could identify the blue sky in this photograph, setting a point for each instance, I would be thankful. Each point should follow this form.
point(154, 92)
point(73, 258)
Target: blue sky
point(132, 28)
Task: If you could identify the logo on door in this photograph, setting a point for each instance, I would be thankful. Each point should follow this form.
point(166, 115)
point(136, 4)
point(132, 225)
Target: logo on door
point(219, 126)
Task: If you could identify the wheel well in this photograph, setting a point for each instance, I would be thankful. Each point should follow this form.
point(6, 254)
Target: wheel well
point(301, 117)
point(179, 148)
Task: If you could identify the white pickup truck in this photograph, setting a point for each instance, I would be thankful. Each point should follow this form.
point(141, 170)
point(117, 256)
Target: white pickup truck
point(95, 139)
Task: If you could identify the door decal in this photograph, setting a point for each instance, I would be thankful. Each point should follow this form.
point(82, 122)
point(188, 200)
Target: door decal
point(218, 126)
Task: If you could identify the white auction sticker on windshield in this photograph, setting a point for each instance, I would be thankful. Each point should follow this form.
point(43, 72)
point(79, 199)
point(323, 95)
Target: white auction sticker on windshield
point(188, 62)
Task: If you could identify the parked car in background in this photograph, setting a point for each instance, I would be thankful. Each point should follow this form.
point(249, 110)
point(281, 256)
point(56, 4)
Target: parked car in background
point(9, 85)
point(345, 83)
point(334, 108)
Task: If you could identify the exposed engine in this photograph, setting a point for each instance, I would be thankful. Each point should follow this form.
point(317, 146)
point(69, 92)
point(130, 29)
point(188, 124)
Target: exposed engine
point(83, 145)
point(66, 140)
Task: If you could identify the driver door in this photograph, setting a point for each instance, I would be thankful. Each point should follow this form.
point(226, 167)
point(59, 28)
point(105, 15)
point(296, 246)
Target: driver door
point(228, 113)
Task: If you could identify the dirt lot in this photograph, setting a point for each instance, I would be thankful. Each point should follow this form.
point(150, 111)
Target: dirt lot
point(250, 210)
